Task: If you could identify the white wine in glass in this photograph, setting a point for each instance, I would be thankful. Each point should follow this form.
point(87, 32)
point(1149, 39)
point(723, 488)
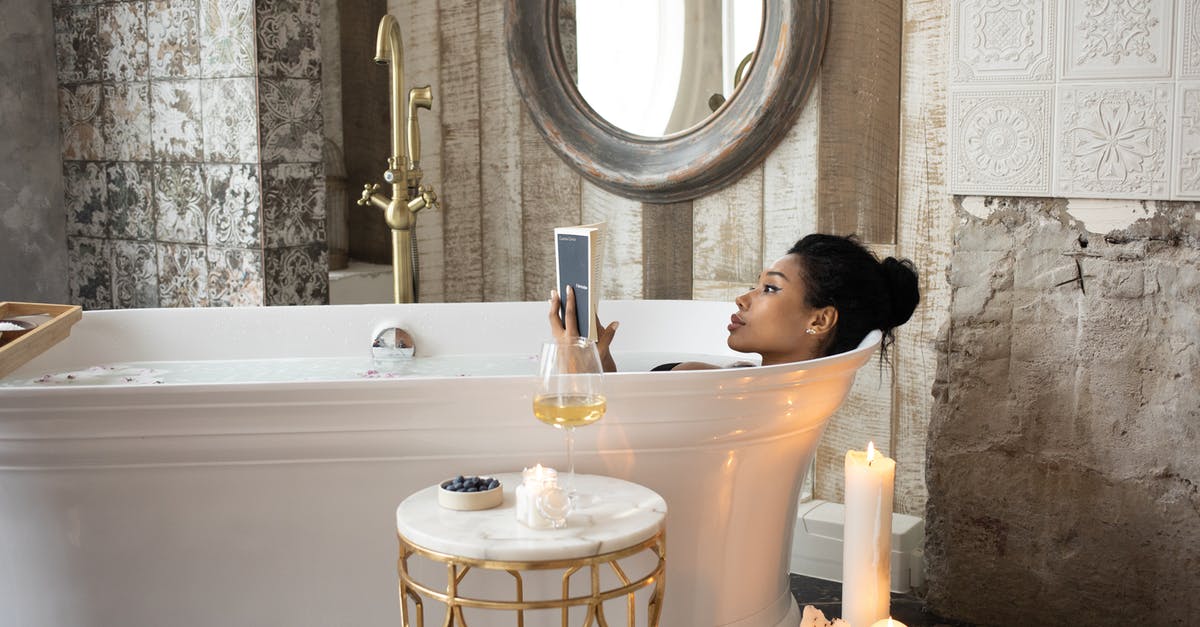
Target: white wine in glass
point(570, 392)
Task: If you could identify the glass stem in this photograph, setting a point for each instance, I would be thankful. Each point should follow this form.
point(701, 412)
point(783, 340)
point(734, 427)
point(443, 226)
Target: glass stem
point(570, 433)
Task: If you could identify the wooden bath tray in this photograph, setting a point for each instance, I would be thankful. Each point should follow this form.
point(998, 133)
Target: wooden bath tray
point(40, 338)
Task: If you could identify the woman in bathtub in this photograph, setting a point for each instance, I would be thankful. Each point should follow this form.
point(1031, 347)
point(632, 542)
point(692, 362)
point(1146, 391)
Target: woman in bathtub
point(821, 298)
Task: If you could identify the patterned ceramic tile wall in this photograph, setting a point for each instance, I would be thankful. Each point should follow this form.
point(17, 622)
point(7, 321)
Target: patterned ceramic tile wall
point(162, 104)
point(289, 109)
point(1076, 98)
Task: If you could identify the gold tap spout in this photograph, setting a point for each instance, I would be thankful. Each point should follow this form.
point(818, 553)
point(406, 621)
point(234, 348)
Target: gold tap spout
point(389, 49)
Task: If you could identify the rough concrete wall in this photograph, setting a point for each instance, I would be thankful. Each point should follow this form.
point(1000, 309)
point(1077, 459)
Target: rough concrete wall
point(33, 233)
point(1064, 485)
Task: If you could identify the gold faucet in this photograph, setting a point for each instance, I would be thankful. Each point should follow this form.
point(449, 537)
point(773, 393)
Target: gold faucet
point(408, 194)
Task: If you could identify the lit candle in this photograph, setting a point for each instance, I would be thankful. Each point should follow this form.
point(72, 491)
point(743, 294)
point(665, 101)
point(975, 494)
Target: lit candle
point(889, 622)
point(537, 483)
point(867, 537)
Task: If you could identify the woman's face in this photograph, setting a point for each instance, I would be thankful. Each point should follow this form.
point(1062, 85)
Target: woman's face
point(772, 317)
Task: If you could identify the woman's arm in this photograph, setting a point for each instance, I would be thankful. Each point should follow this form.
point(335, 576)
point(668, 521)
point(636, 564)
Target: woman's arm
point(604, 334)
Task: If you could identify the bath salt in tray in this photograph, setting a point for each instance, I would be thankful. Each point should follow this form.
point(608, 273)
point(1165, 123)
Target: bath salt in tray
point(29, 344)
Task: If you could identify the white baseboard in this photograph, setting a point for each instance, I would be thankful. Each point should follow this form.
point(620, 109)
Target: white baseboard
point(817, 545)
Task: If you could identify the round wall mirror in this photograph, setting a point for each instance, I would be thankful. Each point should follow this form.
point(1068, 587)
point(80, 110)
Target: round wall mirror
point(715, 86)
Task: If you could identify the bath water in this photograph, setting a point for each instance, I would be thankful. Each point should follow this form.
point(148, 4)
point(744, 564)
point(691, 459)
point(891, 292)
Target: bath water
point(280, 370)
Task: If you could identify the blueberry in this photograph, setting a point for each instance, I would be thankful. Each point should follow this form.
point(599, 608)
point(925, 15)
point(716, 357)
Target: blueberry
point(446, 485)
point(493, 484)
point(458, 479)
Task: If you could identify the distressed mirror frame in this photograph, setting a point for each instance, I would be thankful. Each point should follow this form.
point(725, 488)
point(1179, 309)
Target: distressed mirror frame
point(691, 163)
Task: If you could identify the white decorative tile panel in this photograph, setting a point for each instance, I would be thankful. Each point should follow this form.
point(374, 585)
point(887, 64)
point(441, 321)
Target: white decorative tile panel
point(1118, 39)
point(1189, 34)
point(1003, 40)
point(1113, 141)
point(1186, 181)
point(1000, 142)
point(1075, 98)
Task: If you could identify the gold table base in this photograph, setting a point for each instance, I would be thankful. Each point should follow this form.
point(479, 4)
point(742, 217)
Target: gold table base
point(458, 567)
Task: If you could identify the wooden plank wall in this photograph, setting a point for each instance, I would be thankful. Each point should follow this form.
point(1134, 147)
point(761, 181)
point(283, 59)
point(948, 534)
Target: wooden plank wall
point(502, 189)
point(925, 234)
point(857, 181)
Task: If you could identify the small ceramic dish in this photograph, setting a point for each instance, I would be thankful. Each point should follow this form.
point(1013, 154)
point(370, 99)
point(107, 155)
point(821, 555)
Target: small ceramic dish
point(8, 333)
point(468, 501)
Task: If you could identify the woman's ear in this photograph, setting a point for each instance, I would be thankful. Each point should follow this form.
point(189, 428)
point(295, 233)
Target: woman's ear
point(823, 320)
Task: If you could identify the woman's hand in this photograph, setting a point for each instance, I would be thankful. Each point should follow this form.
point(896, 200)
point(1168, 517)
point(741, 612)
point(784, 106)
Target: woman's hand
point(566, 327)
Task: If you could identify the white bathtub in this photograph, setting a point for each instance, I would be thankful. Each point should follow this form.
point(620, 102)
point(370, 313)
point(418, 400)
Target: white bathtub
point(273, 503)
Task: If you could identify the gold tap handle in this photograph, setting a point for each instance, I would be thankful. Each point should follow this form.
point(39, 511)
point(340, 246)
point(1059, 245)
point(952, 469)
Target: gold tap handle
point(430, 197)
point(418, 97)
point(425, 199)
point(368, 189)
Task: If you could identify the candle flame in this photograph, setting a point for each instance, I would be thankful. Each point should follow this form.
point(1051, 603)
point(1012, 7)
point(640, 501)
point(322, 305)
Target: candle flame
point(870, 452)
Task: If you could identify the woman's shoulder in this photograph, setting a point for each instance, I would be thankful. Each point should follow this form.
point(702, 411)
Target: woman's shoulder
point(697, 365)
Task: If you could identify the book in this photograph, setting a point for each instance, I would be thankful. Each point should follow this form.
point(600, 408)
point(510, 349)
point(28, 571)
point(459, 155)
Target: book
point(579, 260)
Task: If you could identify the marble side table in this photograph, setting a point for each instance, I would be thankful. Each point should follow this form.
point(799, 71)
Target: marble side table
point(628, 522)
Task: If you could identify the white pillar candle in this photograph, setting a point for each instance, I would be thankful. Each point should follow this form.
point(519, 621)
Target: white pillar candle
point(867, 539)
point(536, 482)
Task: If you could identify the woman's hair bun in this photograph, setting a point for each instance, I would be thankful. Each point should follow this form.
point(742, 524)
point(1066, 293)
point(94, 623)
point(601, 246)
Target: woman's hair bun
point(900, 276)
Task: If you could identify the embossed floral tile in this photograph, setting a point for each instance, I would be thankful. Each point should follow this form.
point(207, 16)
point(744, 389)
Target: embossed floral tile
point(1186, 182)
point(80, 122)
point(130, 199)
point(125, 122)
point(230, 121)
point(85, 200)
point(173, 33)
point(1189, 32)
point(175, 131)
point(293, 204)
point(235, 277)
point(134, 274)
point(1003, 40)
point(1114, 142)
point(124, 42)
point(182, 275)
point(180, 202)
point(1002, 143)
point(89, 272)
point(77, 44)
point(298, 275)
point(290, 117)
point(289, 39)
point(226, 38)
point(234, 207)
point(1118, 39)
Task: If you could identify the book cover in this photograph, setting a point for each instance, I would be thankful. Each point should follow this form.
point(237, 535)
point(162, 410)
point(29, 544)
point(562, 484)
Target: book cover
point(578, 259)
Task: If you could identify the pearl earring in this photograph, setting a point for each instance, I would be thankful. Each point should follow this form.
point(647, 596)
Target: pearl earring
point(810, 332)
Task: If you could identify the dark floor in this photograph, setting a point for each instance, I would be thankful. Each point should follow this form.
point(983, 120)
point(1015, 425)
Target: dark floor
point(827, 597)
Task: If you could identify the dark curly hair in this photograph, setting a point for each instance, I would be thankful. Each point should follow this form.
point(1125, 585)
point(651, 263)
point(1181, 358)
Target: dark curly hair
point(867, 293)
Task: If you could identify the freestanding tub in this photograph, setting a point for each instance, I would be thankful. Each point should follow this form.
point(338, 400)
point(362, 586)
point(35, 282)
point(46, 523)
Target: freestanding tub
point(272, 503)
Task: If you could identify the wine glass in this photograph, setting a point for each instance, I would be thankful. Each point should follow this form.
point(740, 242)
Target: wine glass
point(570, 392)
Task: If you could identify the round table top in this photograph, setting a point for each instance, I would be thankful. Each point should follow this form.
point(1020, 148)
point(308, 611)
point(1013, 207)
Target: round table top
point(624, 514)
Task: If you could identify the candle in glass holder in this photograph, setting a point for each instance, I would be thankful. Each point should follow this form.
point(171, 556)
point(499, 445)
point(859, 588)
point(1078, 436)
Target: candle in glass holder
point(537, 484)
point(867, 537)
